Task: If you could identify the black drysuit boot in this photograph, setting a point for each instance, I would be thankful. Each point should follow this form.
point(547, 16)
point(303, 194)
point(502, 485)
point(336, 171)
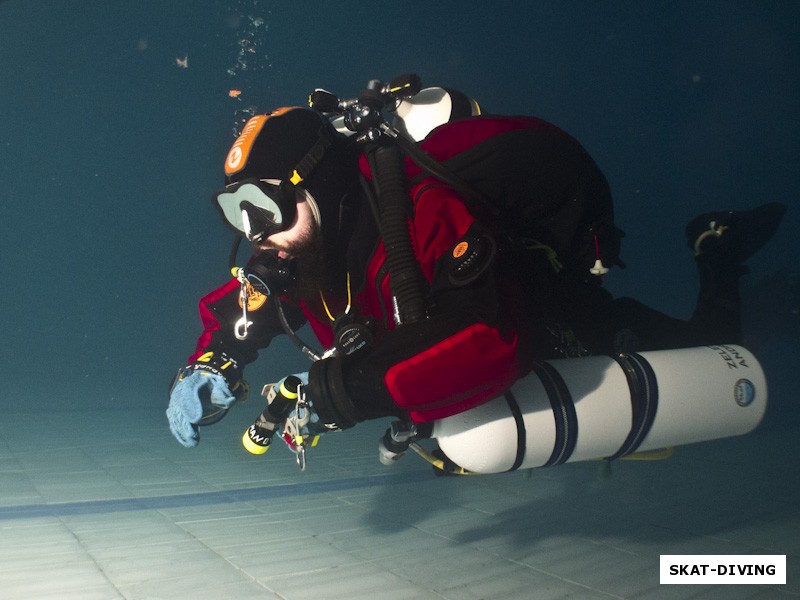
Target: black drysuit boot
point(722, 242)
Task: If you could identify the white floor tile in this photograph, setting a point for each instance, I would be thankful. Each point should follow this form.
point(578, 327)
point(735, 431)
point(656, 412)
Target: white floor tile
point(142, 518)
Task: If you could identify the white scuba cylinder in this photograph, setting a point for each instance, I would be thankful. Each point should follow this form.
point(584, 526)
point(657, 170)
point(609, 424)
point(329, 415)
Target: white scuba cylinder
point(418, 115)
point(607, 407)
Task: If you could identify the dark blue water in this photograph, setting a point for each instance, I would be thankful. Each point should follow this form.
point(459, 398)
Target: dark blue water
point(110, 149)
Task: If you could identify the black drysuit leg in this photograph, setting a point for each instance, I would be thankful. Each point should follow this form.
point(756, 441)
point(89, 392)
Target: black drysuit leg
point(627, 324)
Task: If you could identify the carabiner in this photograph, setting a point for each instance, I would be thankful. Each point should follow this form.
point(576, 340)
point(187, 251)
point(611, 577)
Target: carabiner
point(242, 324)
point(241, 327)
point(300, 457)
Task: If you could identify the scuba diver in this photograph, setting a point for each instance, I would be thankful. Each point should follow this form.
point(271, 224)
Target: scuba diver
point(434, 288)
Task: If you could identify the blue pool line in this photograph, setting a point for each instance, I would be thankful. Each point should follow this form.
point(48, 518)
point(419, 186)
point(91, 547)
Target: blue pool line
point(92, 507)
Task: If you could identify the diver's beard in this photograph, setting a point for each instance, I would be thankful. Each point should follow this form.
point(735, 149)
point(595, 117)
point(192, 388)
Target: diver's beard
point(305, 253)
point(310, 261)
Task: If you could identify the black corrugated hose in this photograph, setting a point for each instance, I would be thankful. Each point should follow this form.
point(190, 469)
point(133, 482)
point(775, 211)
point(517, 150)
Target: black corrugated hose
point(404, 270)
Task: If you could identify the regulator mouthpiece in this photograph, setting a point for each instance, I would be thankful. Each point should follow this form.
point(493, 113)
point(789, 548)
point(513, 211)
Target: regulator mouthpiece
point(270, 274)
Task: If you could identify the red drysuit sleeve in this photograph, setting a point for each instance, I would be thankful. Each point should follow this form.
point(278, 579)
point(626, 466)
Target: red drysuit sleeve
point(219, 312)
point(457, 358)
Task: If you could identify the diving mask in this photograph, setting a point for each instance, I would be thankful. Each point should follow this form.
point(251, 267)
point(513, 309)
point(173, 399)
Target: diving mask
point(258, 208)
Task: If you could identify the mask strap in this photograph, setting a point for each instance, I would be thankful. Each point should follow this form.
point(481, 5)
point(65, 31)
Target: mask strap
point(314, 155)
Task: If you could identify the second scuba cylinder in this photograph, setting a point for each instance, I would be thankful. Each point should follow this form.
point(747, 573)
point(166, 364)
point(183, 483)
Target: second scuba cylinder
point(608, 407)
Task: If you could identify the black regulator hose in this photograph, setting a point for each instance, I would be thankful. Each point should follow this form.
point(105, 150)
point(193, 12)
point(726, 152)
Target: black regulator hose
point(404, 270)
point(237, 241)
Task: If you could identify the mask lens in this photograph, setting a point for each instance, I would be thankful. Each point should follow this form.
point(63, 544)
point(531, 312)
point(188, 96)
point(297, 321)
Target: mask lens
point(257, 223)
point(253, 207)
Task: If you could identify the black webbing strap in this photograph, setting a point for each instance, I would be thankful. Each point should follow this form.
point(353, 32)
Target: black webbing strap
point(644, 400)
point(566, 420)
point(513, 405)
